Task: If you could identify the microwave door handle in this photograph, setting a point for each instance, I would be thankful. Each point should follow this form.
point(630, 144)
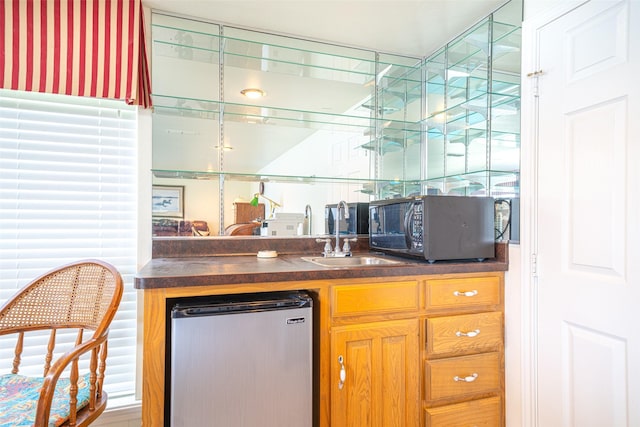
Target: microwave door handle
point(408, 226)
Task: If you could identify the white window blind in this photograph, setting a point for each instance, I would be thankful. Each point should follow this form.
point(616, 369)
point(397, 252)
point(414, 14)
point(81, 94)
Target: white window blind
point(68, 191)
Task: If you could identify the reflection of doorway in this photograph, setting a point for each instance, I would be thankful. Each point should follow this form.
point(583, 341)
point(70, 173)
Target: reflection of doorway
point(583, 228)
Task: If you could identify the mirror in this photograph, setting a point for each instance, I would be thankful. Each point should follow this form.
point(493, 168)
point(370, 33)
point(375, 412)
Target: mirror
point(305, 140)
point(334, 123)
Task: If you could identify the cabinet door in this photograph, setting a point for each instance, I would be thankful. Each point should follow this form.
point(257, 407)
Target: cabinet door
point(380, 365)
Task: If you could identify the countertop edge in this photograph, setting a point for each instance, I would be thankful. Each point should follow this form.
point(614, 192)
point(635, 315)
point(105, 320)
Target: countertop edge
point(245, 269)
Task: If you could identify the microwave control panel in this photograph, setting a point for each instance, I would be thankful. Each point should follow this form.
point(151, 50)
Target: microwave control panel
point(416, 226)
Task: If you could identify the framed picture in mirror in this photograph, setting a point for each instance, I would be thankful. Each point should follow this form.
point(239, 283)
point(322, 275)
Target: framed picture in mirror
point(168, 201)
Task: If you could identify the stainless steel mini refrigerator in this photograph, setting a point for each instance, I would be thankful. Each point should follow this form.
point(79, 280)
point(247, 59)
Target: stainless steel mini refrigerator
point(242, 361)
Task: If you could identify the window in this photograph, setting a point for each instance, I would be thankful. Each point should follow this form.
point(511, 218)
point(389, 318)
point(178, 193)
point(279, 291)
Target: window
point(68, 191)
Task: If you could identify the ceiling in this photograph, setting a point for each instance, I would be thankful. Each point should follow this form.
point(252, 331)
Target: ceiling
point(407, 27)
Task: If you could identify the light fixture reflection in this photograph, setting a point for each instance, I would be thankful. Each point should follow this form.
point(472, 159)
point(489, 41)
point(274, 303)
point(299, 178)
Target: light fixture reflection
point(253, 93)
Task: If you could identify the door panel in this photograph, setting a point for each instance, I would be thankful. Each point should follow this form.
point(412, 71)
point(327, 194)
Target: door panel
point(594, 362)
point(588, 242)
point(381, 364)
point(595, 165)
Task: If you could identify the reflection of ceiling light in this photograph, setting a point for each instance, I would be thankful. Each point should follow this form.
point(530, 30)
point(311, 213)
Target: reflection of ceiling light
point(452, 74)
point(253, 93)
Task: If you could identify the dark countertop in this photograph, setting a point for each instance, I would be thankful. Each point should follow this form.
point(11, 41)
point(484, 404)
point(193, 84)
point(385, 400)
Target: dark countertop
point(170, 272)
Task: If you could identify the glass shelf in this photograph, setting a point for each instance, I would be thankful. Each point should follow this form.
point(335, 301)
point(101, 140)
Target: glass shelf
point(290, 179)
point(261, 56)
point(477, 183)
point(507, 95)
point(198, 42)
point(259, 114)
point(303, 58)
point(501, 183)
point(187, 107)
point(393, 142)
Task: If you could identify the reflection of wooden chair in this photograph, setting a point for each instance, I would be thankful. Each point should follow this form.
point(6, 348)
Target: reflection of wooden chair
point(80, 296)
point(245, 217)
point(242, 229)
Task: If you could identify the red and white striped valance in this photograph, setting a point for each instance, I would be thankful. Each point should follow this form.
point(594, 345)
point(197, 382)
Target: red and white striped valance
point(90, 48)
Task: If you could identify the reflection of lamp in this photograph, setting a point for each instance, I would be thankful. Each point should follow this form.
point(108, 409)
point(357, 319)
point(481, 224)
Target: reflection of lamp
point(272, 204)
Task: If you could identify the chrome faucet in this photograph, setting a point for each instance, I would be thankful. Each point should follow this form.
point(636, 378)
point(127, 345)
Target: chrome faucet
point(337, 251)
point(346, 249)
point(307, 215)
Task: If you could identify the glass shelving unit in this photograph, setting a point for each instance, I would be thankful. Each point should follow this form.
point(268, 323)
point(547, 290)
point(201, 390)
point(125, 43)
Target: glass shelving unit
point(353, 114)
point(366, 125)
point(473, 112)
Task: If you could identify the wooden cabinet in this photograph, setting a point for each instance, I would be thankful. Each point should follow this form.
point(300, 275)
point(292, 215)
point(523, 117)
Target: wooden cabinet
point(375, 364)
point(396, 344)
point(464, 357)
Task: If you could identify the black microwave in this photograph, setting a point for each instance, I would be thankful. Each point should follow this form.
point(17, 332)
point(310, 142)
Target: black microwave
point(433, 227)
point(357, 223)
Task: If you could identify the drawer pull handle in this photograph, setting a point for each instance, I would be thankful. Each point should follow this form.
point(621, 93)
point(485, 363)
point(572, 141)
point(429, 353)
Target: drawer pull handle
point(343, 373)
point(472, 293)
point(469, 379)
point(469, 334)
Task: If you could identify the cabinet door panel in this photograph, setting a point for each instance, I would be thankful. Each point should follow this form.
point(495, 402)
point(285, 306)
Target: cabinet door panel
point(464, 334)
point(381, 382)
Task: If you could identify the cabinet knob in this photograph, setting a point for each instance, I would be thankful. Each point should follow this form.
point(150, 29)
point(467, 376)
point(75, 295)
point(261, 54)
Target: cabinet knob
point(469, 334)
point(343, 372)
point(468, 379)
point(472, 293)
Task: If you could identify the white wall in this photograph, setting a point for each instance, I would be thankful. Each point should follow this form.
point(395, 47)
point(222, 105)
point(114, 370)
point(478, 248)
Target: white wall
point(512, 337)
point(534, 7)
point(515, 298)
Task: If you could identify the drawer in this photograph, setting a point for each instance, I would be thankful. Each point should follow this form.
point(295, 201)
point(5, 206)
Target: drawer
point(462, 377)
point(375, 298)
point(463, 293)
point(480, 413)
point(469, 333)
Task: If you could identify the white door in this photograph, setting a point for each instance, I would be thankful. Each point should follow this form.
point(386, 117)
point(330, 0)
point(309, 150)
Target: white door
point(587, 217)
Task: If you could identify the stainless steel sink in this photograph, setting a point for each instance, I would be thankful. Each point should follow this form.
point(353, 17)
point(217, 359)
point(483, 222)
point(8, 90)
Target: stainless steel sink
point(353, 261)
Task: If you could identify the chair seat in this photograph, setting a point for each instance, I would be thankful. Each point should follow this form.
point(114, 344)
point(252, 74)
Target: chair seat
point(19, 399)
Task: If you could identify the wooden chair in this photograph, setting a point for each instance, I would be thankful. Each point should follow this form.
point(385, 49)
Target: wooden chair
point(80, 296)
